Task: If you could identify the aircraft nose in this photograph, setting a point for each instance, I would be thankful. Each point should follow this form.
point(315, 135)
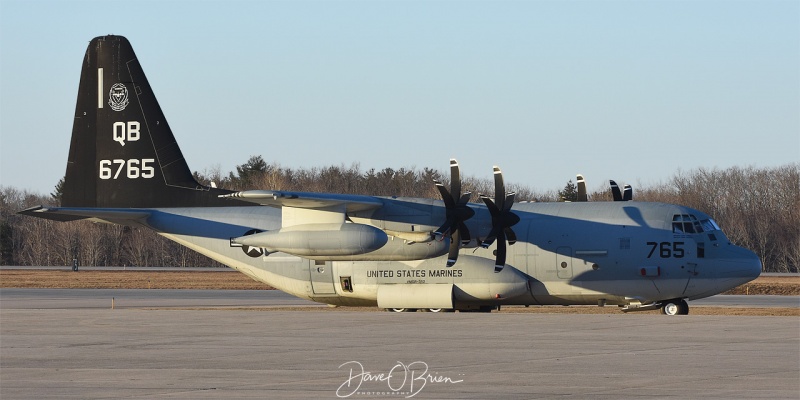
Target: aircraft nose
point(755, 267)
point(742, 265)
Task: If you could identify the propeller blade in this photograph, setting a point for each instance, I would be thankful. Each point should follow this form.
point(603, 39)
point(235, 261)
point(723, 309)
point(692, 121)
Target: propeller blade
point(502, 220)
point(499, 187)
point(495, 212)
point(500, 262)
point(615, 191)
point(446, 196)
point(510, 235)
point(627, 194)
point(456, 212)
point(490, 205)
point(455, 178)
point(452, 255)
point(509, 202)
point(491, 238)
point(582, 189)
point(445, 228)
point(464, 232)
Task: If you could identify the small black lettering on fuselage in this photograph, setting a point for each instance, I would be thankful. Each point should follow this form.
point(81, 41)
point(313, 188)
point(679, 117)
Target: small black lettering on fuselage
point(380, 274)
point(416, 273)
point(666, 249)
point(411, 273)
point(445, 273)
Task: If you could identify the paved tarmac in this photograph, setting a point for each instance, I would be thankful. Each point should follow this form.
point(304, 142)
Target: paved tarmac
point(35, 298)
point(65, 348)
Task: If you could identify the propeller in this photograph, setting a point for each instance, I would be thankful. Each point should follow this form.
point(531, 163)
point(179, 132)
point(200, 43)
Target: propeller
point(626, 195)
point(502, 219)
point(456, 212)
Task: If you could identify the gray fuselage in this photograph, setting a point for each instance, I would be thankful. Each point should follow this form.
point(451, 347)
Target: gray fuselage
point(617, 253)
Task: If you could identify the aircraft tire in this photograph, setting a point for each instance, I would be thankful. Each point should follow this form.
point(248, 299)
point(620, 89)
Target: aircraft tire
point(669, 308)
point(683, 307)
point(675, 307)
point(402, 309)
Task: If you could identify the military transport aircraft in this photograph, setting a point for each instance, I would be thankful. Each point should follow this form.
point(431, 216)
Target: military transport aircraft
point(125, 167)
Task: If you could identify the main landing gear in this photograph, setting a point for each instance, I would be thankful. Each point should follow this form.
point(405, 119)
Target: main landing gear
point(667, 307)
point(675, 307)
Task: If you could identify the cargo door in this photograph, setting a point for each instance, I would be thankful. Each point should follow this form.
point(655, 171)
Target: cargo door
point(321, 277)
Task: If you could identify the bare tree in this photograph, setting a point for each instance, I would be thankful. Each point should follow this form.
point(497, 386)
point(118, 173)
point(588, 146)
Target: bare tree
point(758, 208)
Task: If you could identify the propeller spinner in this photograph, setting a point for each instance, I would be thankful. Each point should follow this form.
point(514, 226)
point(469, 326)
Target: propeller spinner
point(457, 211)
point(502, 219)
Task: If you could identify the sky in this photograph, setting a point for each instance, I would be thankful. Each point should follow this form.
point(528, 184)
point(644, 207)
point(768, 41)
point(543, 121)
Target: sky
point(634, 91)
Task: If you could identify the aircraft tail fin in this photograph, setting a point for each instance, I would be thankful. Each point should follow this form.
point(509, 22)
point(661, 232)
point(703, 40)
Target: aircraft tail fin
point(123, 153)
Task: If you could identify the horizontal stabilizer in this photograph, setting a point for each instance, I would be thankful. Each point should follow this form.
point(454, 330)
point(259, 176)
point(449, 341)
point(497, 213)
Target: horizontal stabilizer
point(77, 213)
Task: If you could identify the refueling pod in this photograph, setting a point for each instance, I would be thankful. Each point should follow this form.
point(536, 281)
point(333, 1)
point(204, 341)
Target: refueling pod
point(311, 240)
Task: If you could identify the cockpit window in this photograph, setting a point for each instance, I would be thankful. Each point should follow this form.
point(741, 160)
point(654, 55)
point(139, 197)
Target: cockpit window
point(677, 225)
point(688, 223)
point(709, 225)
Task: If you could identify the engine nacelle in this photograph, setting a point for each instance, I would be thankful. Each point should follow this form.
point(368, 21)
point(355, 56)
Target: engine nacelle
point(310, 240)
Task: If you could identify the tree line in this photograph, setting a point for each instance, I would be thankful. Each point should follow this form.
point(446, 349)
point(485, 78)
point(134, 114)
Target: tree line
point(758, 208)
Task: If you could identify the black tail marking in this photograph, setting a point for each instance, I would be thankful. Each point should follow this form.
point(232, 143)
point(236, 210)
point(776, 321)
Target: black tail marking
point(123, 153)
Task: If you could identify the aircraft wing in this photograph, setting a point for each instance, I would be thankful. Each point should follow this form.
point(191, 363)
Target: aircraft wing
point(273, 198)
